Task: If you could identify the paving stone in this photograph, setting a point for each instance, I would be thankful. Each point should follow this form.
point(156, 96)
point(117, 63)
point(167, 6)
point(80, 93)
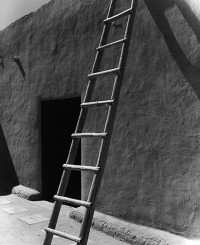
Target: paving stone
point(4, 201)
point(15, 209)
point(91, 242)
point(34, 219)
point(15, 232)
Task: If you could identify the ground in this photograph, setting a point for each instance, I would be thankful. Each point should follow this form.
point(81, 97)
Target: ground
point(23, 222)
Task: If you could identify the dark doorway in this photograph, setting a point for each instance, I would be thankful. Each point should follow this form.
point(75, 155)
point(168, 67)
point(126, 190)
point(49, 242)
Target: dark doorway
point(58, 122)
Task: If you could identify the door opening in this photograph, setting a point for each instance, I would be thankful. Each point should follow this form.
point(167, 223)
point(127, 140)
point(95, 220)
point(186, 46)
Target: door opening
point(58, 122)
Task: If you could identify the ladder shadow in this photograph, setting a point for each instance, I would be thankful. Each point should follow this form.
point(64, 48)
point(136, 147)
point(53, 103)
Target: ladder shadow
point(157, 10)
point(8, 176)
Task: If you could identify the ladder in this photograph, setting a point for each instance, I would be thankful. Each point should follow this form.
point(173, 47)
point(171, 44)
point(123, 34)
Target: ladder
point(105, 136)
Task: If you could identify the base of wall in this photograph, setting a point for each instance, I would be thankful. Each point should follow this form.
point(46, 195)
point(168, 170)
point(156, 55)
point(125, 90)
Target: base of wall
point(129, 232)
point(26, 193)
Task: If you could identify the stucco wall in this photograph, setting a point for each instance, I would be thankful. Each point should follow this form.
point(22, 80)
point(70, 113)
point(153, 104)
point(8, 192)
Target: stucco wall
point(52, 46)
point(152, 175)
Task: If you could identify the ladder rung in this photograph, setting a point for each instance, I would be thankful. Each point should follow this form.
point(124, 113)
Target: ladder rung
point(101, 73)
point(97, 103)
point(89, 135)
point(72, 201)
point(112, 44)
point(120, 15)
point(80, 168)
point(62, 234)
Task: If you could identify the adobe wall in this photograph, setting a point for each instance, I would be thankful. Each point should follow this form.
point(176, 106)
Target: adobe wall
point(52, 46)
point(152, 175)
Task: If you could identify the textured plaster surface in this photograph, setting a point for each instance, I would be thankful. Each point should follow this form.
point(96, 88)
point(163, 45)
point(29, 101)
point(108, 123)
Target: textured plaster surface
point(152, 173)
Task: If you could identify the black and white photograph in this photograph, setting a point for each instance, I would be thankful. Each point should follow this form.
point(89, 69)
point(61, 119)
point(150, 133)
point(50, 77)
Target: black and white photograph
point(99, 122)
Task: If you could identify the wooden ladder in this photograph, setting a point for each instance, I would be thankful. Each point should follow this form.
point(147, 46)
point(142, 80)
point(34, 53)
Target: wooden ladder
point(105, 136)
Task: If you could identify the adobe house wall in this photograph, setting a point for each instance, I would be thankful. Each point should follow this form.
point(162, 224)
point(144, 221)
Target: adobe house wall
point(152, 173)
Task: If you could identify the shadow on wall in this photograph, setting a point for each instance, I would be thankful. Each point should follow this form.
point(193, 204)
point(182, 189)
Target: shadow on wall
point(187, 221)
point(8, 176)
point(157, 9)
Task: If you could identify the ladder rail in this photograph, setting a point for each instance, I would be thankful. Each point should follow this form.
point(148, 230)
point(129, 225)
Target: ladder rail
point(80, 124)
point(104, 147)
point(87, 220)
